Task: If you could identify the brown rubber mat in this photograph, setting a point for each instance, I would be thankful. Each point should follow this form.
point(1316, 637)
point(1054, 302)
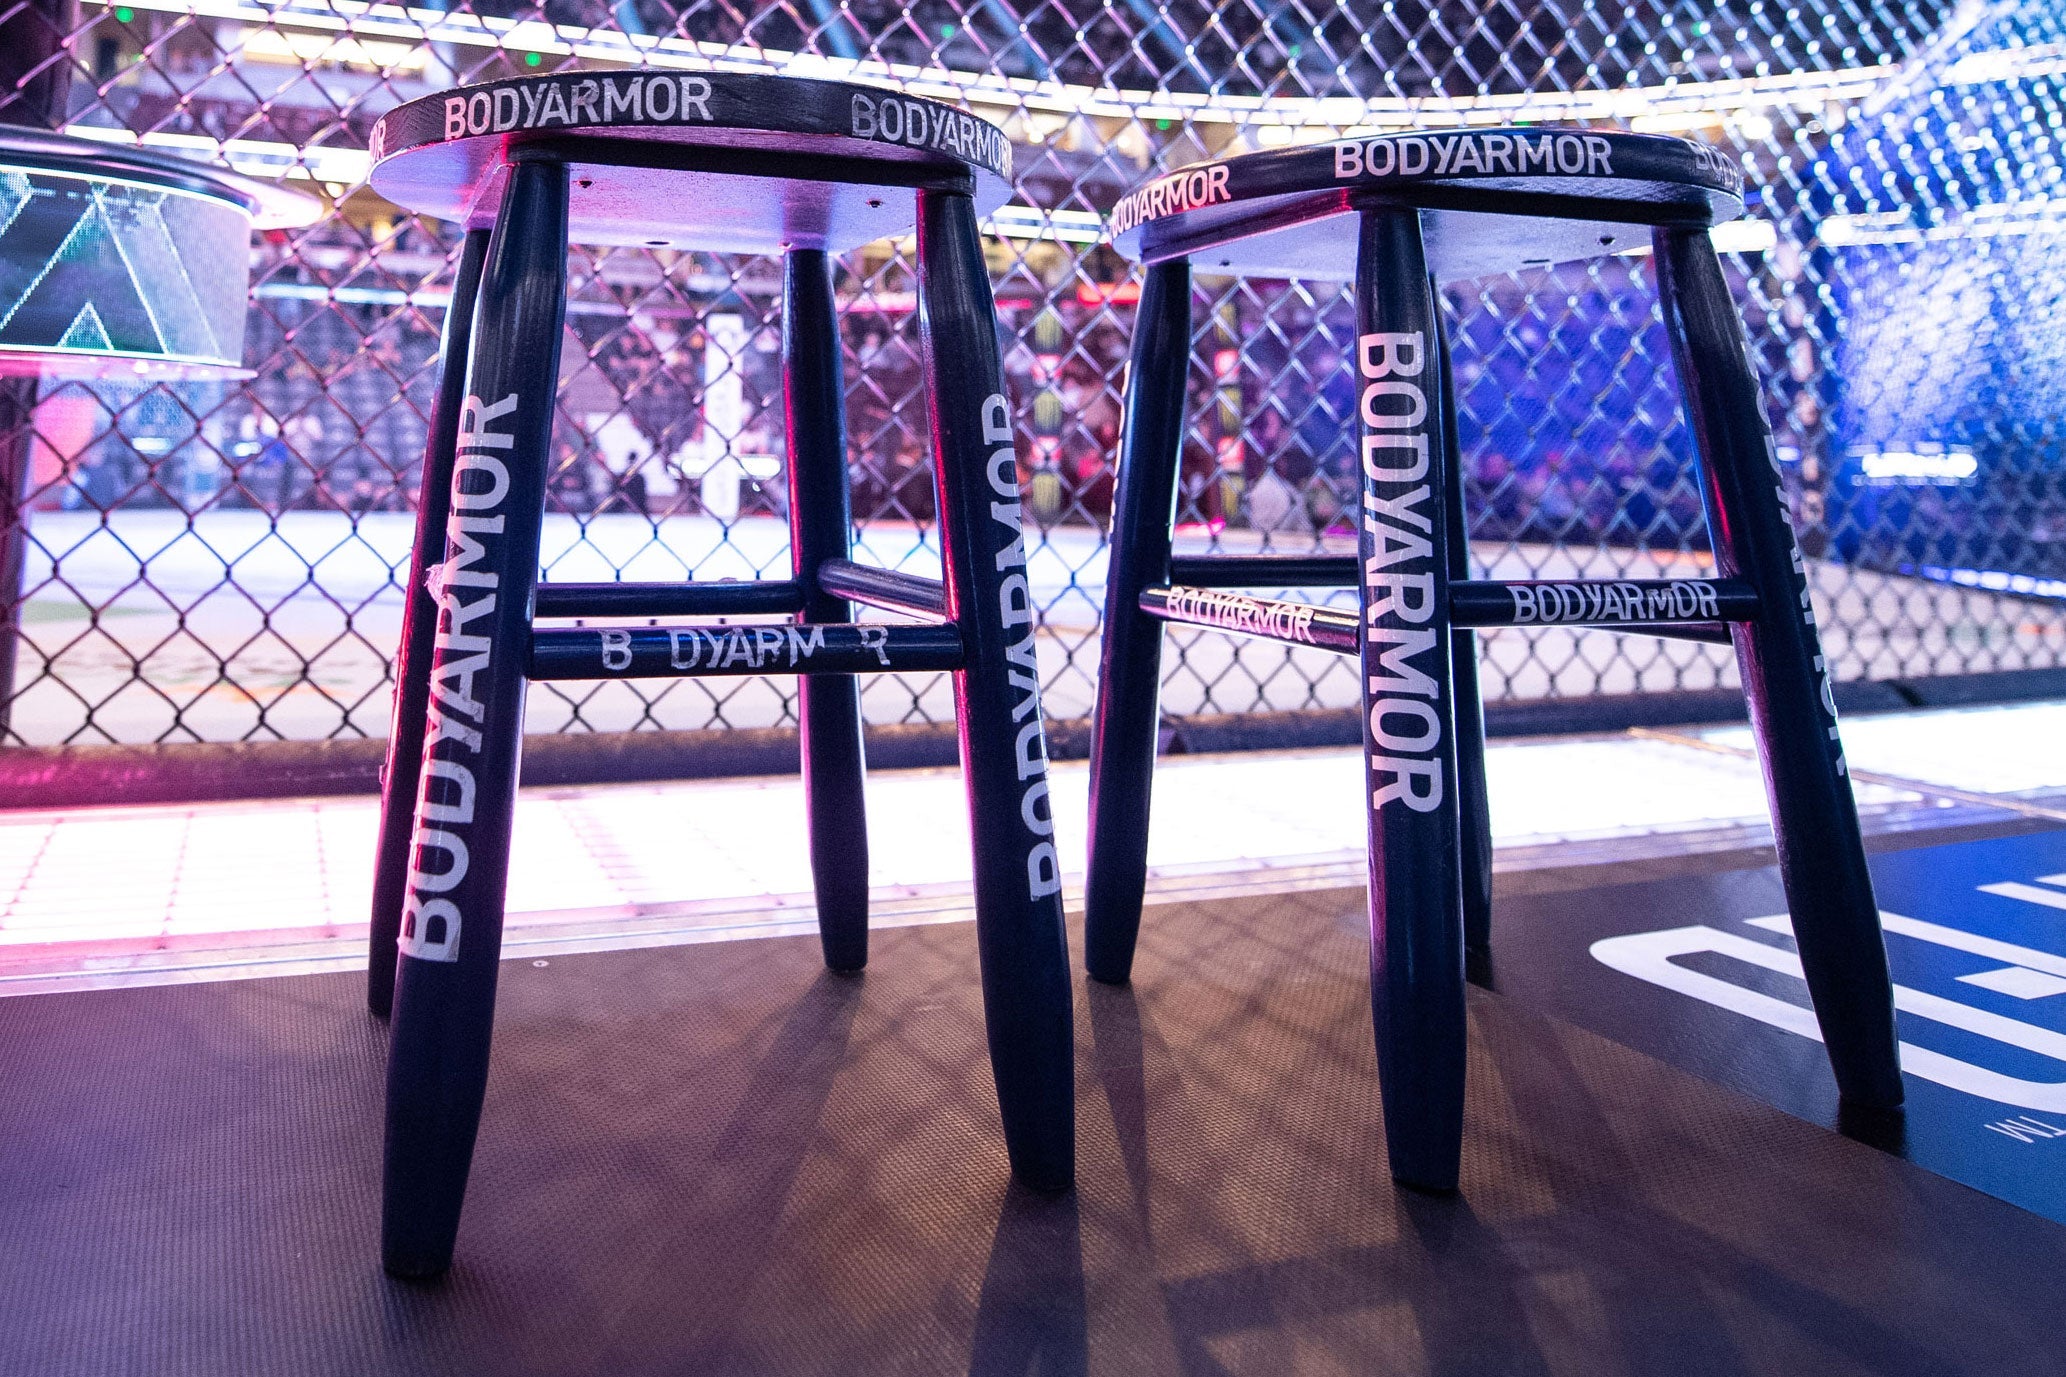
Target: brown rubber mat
point(719, 1159)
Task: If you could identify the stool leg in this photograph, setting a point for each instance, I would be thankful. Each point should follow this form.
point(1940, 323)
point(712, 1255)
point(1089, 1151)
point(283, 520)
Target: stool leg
point(452, 930)
point(1019, 935)
point(1792, 711)
point(1473, 799)
point(828, 706)
point(1416, 896)
point(1122, 743)
point(402, 771)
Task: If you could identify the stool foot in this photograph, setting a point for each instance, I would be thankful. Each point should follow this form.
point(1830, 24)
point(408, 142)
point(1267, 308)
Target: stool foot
point(437, 1077)
point(834, 769)
point(1440, 1189)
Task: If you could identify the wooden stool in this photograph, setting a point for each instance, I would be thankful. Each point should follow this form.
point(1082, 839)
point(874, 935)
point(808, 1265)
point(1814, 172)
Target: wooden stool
point(1402, 213)
point(734, 163)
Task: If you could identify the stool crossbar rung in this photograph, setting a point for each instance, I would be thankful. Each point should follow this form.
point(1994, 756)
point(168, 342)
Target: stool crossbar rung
point(743, 598)
point(741, 648)
point(1265, 571)
point(883, 588)
point(1676, 609)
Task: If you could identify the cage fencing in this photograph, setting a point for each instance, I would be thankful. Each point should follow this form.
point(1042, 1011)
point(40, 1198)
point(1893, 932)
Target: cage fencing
point(219, 561)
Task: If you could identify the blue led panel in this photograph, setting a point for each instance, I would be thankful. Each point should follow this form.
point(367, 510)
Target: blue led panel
point(94, 271)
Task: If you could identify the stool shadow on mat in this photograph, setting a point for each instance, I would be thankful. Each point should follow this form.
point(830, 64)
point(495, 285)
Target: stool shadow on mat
point(1122, 1067)
point(715, 1185)
point(741, 1192)
point(1030, 1313)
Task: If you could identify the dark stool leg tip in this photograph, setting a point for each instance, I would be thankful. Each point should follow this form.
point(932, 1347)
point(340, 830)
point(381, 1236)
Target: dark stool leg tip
point(1477, 966)
point(1111, 975)
point(1874, 1099)
point(1046, 1181)
point(1882, 1126)
point(1429, 1183)
point(844, 955)
point(415, 1269)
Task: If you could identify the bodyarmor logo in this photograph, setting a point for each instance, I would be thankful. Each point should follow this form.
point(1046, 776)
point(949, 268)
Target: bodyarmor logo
point(1191, 189)
point(1239, 612)
point(1405, 733)
point(1015, 609)
point(1684, 601)
point(465, 592)
point(1480, 155)
point(921, 125)
point(719, 648)
point(575, 102)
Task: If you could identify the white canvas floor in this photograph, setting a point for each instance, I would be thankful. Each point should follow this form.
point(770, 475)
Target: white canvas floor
point(126, 895)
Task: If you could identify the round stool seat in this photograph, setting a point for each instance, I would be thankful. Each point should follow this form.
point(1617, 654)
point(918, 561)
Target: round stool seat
point(723, 161)
point(1495, 200)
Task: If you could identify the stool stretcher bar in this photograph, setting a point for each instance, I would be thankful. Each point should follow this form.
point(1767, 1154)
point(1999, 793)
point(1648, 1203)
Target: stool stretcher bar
point(1294, 623)
point(669, 599)
point(884, 588)
point(1264, 571)
point(1678, 609)
point(1612, 603)
point(652, 652)
point(1486, 602)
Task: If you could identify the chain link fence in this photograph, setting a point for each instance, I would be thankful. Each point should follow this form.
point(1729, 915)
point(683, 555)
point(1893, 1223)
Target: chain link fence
point(219, 562)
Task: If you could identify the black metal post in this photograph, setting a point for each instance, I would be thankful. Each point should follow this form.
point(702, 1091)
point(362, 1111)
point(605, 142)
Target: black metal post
point(1473, 797)
point(452, 925)
point(403, 770)
point(1018, 878)
point(35, 66)
point(1123, 734)
point(17, 468)
point(35, 91)
point(1792, 709)
point(1416, 898)
point(828, 706)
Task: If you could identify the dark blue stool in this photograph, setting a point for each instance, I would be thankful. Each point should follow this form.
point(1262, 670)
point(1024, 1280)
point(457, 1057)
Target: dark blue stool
point(733, 163)
point(1403, 213)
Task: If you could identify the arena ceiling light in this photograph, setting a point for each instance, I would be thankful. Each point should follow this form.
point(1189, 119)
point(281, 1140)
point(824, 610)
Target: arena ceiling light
point(1325, 117)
